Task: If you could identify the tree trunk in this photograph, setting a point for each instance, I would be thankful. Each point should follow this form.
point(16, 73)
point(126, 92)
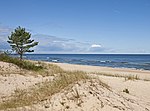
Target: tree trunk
point(21, 53)
point(21, 56)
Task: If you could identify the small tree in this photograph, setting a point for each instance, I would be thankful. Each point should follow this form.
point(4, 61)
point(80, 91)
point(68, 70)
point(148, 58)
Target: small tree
point(20, 41)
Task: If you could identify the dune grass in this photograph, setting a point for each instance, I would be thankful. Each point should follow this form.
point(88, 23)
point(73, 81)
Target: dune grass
point(126, 77)
point(132, 77)
point(44, 90)
point(20, 63)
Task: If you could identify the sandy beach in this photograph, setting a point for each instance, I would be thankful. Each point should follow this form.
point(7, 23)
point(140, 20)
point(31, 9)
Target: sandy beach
point(90, 95)
point(143, 74)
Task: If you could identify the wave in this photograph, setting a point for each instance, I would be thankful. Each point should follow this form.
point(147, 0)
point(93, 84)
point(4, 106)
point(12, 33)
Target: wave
point(105, 61)
point(148, 63)
point(55, 60)
point(124, 62)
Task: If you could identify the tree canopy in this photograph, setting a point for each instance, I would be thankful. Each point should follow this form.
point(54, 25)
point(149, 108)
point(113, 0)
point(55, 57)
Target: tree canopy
point(20, 41)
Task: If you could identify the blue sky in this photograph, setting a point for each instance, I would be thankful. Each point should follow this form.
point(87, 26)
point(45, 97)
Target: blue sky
point(80, 26)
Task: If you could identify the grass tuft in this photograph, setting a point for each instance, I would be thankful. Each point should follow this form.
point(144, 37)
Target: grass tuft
point(132, 77)
point(127, 77)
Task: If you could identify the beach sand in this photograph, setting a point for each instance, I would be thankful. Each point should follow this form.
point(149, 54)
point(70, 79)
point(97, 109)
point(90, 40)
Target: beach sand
point(93, 96)
point(143, 74)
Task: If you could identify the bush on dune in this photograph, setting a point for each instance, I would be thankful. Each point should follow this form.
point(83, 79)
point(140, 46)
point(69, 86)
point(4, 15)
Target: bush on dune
point(20, 63)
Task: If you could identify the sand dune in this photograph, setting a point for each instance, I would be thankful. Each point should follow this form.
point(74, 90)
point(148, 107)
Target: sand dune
point(89, 95)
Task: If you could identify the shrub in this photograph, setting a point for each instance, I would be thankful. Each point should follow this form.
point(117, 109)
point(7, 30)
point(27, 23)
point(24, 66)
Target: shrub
point(20, 63)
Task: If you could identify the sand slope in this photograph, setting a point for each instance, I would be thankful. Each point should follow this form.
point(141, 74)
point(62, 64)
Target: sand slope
point(90, 95)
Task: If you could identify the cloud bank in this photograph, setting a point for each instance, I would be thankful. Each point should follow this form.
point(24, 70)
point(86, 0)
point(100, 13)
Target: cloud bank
point(52, 44)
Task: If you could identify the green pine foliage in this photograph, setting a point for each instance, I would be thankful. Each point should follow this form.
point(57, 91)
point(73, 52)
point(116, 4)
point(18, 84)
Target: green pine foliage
point(20, 41)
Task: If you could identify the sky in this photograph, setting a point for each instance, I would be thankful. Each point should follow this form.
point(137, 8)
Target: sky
point(79, 26)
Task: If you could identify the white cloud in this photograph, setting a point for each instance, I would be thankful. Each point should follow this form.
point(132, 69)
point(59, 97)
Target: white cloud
point(96, 46)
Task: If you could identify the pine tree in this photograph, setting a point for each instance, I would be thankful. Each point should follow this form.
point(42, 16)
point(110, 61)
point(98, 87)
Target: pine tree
point(20, 41)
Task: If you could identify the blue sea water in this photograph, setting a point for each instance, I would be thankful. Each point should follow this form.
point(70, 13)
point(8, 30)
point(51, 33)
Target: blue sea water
point(137, 61)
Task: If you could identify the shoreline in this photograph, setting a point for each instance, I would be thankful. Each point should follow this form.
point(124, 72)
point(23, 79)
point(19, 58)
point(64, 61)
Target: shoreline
point(109, 67)
point(99, 66)
point(143, 74)
point(104, 70)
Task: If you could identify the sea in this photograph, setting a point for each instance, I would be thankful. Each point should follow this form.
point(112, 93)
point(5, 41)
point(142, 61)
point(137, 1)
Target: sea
point(134, 61)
